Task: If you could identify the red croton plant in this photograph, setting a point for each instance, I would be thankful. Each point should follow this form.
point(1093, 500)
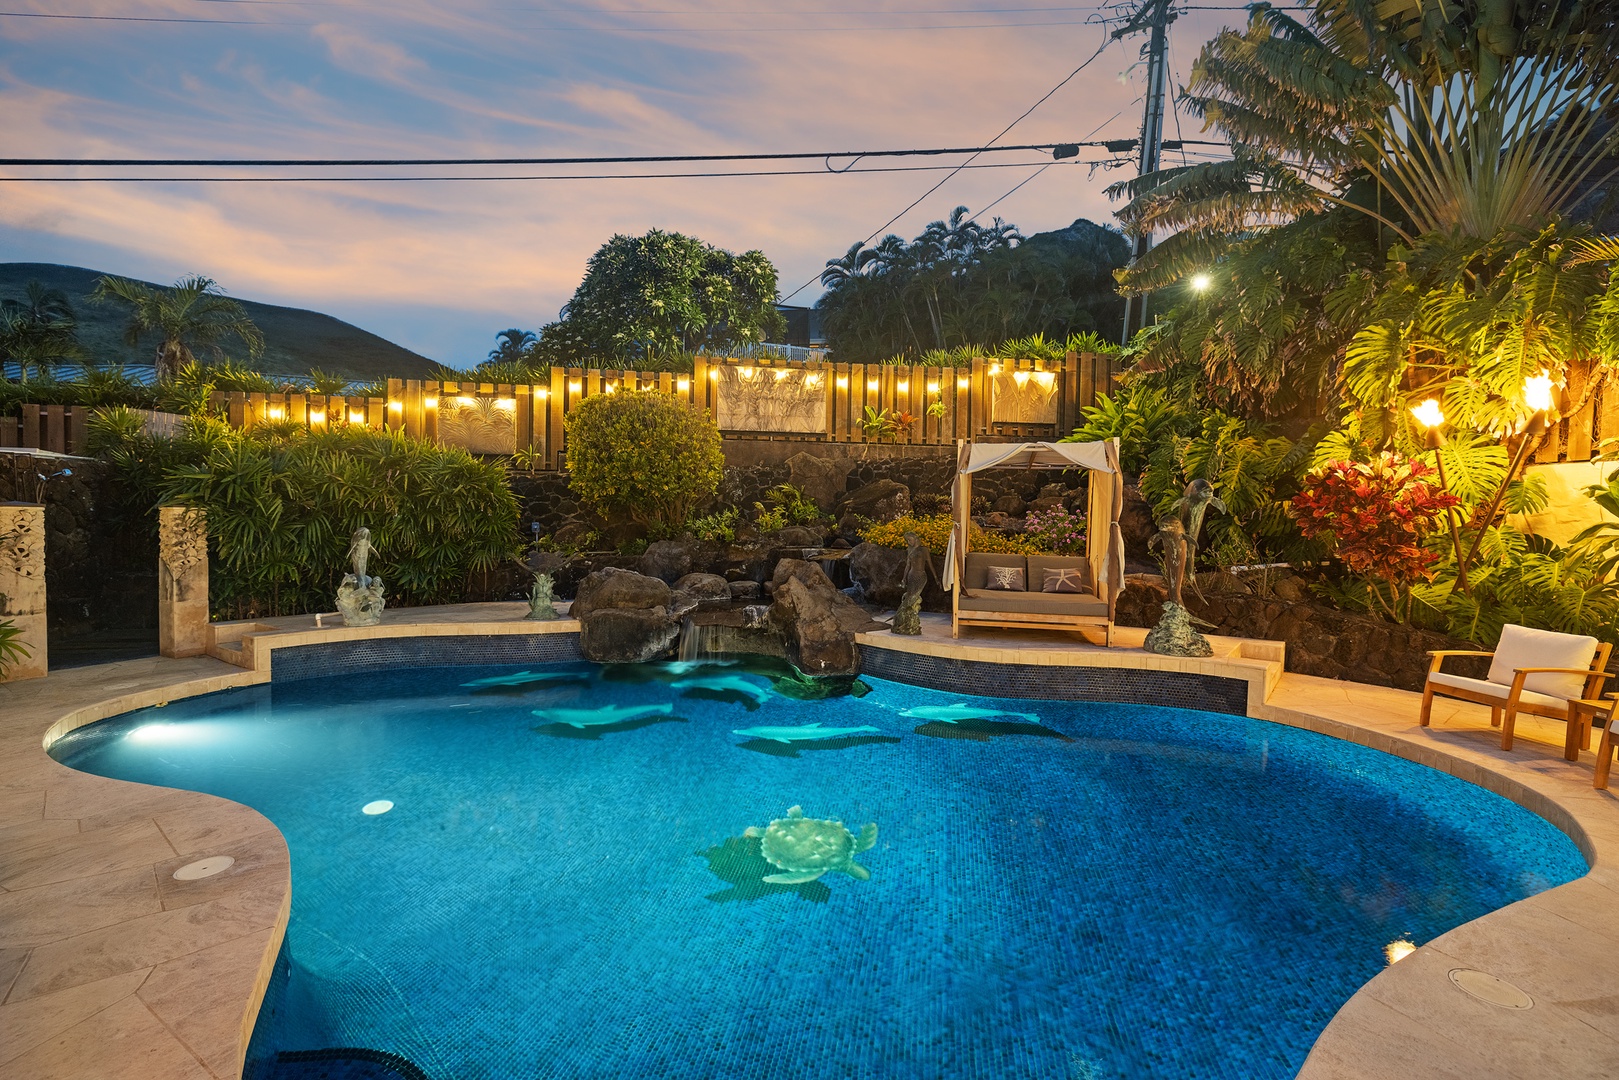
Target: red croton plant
point(1375, 517)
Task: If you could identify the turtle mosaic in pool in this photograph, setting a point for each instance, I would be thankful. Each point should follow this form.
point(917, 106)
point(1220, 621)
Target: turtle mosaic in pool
point(645, 871)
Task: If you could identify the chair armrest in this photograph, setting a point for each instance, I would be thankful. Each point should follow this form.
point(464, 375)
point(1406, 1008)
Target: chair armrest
point(1440, 654)
point(1561, 671)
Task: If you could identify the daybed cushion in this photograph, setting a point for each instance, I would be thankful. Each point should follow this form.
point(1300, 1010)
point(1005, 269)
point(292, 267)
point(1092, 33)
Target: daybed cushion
point(1031, 603)
point(1039, 564)
point(979, 562)
point(1521, 647)
point(1495, 690)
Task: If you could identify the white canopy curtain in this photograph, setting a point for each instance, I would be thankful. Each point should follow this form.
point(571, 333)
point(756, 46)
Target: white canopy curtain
point(1104, 542)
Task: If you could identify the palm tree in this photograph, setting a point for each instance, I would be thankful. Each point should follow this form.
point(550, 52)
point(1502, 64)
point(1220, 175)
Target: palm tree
point(513, 346)
point(1467, 118)
point(39, 330)
point(193, 314)
point(854, 263)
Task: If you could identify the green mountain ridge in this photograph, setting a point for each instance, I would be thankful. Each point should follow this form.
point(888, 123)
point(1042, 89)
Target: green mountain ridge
point(295, 340)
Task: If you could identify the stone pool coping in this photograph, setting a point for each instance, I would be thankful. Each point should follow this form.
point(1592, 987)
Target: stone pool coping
point(110, 968)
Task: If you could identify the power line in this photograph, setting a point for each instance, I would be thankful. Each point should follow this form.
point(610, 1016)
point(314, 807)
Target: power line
point(946, 178)
point(551, 176)
point(796, 155)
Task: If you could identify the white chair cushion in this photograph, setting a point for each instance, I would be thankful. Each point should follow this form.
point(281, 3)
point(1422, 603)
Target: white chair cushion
point(1521, 647)
point(1494, 689)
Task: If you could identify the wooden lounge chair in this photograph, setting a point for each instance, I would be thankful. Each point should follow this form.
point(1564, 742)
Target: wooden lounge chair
point(1534, 671)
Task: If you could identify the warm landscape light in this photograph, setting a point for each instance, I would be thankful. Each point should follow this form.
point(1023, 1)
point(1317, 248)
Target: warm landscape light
point(1020, 377)
point(782, 373)
point(962, 382)
point(933, 387)
point(871, 384)
point(904, 386)
point(714, 373)
point(812, 380)
point(994, 369)
point(317, 416)
point(463, 400)
point(541, 392)
point(1201, 282)
point(1396, 951)
point(683, 385)
point(396, 406)
point(430, 403)
point(1428, 413)
point(612, 388)
point(356, 417)
point(1537, 392)
point(575, 386)
point(506, 403)
point(1046, 379)
point(275, 412)
point(746, 373)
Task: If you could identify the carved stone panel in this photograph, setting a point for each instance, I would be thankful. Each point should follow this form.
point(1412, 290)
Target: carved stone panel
point(182, 581)
point(479, 424)
point(22, 584)
point(1022, 397)
point(775, 399)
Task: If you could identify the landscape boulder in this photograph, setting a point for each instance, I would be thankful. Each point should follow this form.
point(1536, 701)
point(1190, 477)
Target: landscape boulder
point(816, 620)
point(880, 574)
point(820, 478)
point(708, 590)
point(671, 560)
point(1011, 505)
point(800, 536)
point(880, 500)
point(625, 617)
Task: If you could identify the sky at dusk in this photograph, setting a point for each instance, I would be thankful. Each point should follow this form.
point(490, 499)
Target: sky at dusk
point(440, 267)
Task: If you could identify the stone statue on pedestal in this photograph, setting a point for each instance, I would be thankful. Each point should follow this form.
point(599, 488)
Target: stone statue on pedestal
point(360, 597)
point(918, 567)
point(1174, 635)
point(541, 598)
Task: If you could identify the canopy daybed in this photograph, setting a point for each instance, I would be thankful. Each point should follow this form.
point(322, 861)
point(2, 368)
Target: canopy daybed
point(984, 594)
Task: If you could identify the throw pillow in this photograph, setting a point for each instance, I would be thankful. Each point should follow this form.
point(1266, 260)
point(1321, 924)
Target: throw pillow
point(1008, 578)
point(1067, 579)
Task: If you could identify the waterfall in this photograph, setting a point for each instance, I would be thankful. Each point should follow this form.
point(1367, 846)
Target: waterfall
point(736, 632)
point(697, 640)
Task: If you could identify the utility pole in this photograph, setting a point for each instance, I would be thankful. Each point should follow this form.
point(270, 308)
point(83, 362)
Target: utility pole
point(1153, 15)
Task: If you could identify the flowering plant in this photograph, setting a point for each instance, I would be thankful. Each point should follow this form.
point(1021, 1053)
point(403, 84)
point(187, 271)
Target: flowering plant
point(1057, 530)
point(1375, 517)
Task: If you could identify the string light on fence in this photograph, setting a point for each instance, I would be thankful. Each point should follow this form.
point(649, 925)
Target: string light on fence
point(541, 392)
point(871, 384)
point(812, 380)
point(746, 373)
point(575, 386)
point(843, 382)
point(962, 382)
point(396, 406)
point(682, 384)
point(904, 386)
point(1021, 378)
point(933, 388)
point(714, 374)
point(275, 412)
point(782, 373)
point(430, 403)
point(1046, 379)
point(317, 416)
point(356, 417)
point(506, 404)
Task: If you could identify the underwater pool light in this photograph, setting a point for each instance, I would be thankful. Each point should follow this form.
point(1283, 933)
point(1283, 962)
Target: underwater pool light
point(1396, 951)
point(158, 732)
point(378, 806)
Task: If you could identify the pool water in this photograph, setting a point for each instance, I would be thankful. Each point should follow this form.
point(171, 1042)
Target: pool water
point(1067, 890)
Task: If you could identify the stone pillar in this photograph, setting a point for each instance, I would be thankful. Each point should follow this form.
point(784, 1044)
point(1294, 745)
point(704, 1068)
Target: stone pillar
point(182, 581)
point(22, 584)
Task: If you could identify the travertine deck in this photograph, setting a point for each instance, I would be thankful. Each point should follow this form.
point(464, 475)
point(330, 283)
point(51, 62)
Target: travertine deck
point(111, 969)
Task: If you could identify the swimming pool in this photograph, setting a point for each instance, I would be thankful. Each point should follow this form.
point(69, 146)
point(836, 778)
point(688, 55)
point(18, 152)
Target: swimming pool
point(1066, 890)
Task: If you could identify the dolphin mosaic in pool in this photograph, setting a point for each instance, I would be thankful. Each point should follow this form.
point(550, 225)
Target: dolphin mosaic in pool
point(604, 715)
point(733, 689)
point(951, 714)
point(801, 733)
point(526, 678)
point(805, 848)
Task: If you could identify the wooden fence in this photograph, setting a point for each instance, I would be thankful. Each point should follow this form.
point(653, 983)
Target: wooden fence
point(57, 428)
point(814, 402)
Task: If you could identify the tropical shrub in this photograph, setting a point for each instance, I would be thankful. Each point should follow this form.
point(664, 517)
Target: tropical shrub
point(934, 533)
point(643, 455)
point(11, 647)
point(796, 506)
point(1141, 418)
point(1057, 530)
point(282, 504)
point(1375, 518)
point(718, 527)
